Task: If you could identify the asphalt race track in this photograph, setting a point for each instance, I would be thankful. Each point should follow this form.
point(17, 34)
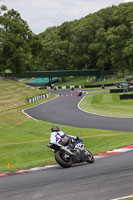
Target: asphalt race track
point(106, 179)
point(64, 110)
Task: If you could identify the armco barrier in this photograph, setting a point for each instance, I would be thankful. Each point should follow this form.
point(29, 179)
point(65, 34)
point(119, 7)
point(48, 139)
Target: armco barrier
point(116, 90)
point(79, 86)
point(120, 90)
point(126, 96)
point(37, 98)
point(64, 87)
point(99, 85)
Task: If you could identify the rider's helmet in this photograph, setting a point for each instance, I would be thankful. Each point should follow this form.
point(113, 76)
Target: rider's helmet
point(55, 128)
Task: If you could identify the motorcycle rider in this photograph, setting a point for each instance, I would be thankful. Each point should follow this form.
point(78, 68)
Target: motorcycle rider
point(57, 136)
point(70, 151)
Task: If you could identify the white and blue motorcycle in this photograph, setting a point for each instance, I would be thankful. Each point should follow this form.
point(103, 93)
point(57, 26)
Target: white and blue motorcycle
point(73, 152)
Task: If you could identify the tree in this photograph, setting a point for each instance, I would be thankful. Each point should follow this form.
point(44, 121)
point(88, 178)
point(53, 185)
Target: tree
point(128, 52)
point(83, 34)
point(54, 53)
point(100, 50)
point(2, 64)
point(15, 37)
point(101, 40)
point(116, 39)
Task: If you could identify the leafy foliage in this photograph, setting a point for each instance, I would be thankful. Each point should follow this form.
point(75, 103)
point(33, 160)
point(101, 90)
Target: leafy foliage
point(102, 40)
point(17, 42)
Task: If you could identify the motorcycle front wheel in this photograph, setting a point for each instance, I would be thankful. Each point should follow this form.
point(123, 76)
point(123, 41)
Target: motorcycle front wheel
point(89, 157)
point(63, 160)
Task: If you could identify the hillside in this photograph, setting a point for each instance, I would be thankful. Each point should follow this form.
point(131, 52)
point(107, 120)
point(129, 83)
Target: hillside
point(14, 94)
point(100, 40)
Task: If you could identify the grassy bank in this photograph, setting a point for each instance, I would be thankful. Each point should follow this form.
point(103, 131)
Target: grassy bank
point(23, 141)
point(14, 94)
point(108, 104)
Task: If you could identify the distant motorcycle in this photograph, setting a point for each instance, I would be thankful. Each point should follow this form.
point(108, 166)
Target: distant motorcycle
point(74, 152)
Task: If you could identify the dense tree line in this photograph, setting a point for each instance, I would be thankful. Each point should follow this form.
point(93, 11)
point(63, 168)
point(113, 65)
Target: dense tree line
point(102, 40)
point(18, 45)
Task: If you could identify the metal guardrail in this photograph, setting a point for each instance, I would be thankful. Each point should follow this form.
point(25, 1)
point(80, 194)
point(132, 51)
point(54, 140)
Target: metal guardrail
point(37, 98)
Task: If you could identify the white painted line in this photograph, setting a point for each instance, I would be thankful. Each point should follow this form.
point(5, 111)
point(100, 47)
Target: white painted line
point(51, 166)
point(38, 168)
point(23, 111)
point(121, 150)
point(80, 102)
point(98, 157)
point(123, 197)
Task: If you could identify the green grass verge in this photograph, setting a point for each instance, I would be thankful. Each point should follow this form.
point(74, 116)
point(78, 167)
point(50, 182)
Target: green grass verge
point(24, 144)
point(23, 141)
point(107, 104)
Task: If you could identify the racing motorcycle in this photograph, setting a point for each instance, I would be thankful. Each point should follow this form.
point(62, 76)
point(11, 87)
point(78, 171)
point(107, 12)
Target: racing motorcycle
point(74, 152)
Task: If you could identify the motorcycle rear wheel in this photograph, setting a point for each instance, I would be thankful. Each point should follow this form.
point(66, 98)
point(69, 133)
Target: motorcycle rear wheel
point(89, 157)
point(61, 160)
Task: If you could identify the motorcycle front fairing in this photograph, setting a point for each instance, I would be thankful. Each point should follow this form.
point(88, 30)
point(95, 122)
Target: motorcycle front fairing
point(79, 144)
point(80, 148)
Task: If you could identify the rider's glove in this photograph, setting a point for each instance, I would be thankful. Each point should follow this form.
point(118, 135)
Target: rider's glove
point(77, 138)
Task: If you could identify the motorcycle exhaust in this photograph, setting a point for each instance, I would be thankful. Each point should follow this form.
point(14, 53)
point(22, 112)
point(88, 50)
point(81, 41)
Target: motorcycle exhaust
point(67, 151)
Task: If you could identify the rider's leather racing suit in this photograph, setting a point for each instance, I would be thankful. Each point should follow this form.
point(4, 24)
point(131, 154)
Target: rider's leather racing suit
point(57, 137)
